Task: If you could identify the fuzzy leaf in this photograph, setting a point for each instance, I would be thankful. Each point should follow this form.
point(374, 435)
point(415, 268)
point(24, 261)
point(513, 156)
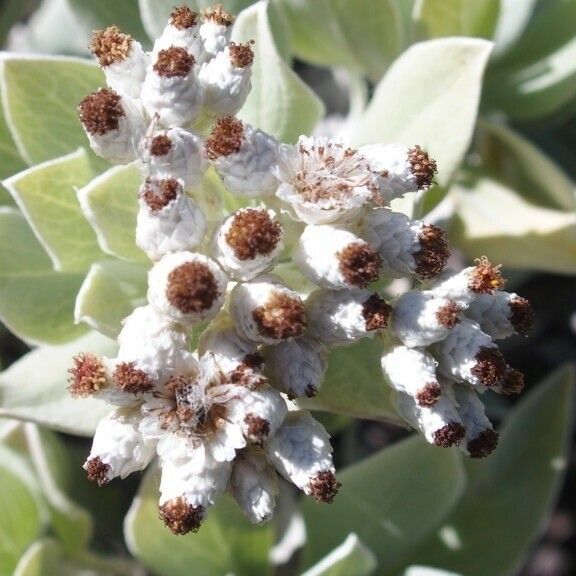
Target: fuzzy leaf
point(110, 203)
point(510, 493)
point(34, 388)
point(46, 195)
point(41, 559)
point(390, 500)
point(11, 160)
point(427, 571)
point(495, 220)
point(512, 21)
point(36, 303)
point(226, 543)
point(279, 103)
point(429, 97)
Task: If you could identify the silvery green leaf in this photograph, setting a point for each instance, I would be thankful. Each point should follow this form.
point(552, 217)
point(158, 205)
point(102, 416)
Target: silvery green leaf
point(42, 558)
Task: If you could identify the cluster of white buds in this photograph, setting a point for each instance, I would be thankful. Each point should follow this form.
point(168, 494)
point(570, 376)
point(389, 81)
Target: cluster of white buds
point(222, 417)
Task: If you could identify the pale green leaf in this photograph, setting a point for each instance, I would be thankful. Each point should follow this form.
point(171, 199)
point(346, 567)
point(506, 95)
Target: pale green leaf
point(46, 195)
point(357, 366)
point(351, 558)
point(429, 97)
point(226, 543)
point(110, 203)
point(11, 160)
point(512, 21)
point(40, 95)
point(36, 303)
point(438, 18)
point(109, 293)
point(495, 220)
point(390, 500)
point(427, 571)
point(510, 493)
point(279, 103)
point(34, 388)
point(41, 559)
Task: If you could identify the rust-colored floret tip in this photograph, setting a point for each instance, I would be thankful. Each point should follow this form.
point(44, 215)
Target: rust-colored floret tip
point(282, 317)
point(429, 395)
point(360, 264)
point(225, 139)
point(110, 45)
point(100, 112)
point(253, 233)
point(131, 380)
point(241, 55)
point(376, 313)
point(160, 145)
point(181, 517)
point(447, 315)
point(258, 428)
point(449, 435)
point(513, 382)
point(159, 194)
point(192, 288)
point(87, 376)
point(490, 367)
point(97, 471)
point(311, 391)
point(423, 167)
point(183, 18)
point(174, 62)
point(521, 315)
point(486, 278)
point(483, 445)
point(433, 254)
point(218, 15)
point(324, 487)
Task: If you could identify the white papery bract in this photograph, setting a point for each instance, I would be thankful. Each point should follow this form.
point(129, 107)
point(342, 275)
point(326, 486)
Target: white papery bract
point(215, 30)
point(182, 31)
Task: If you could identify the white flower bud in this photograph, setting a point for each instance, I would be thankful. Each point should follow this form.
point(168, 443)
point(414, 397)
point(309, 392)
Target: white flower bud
point(413, 372)
point(480, 439)
point(254, 485)
point(114, 125)
point(122, 60)
point(187, 287)
point(440, 424)
point(341, 317)
point(168, 220)
point(323, 181)
point(215, 30)
point(171, 91)
point(297, 367)
point(174, 153)
point(118, 448)
point(400, 169)
point(226, 80)
point(182, 31)
point(243, 157)
point(420, 319)
point(501, 314)
point(336, 258)
point(267, 312)
point(248, 243)
point(302, 453)
point(406, 247)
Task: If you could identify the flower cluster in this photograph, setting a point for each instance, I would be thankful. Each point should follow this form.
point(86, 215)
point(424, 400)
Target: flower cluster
point(222, 417)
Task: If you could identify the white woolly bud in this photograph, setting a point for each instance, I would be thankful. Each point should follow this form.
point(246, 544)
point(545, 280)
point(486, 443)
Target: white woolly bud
point(267, 312)
point(171, 91)
point(226, 80)
point(400, 169)
point(187, 287)
point(341, 317)
point(182, 31)
point(298, 367)
point(254, 485)
point(406, 247)
point(323, 181)
point(468, 355)
point(168, 220)
point(174, 153)
point(248, 242)
point(215, 30)
point(122, 60)
point(480, 439)
point(302, 453)
point(420, 319)
point(243, 158)
point(335, 258)
point(413, 372)
point(114, 125)
point(118, 448)
point(440, 424)
point(501, 314)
